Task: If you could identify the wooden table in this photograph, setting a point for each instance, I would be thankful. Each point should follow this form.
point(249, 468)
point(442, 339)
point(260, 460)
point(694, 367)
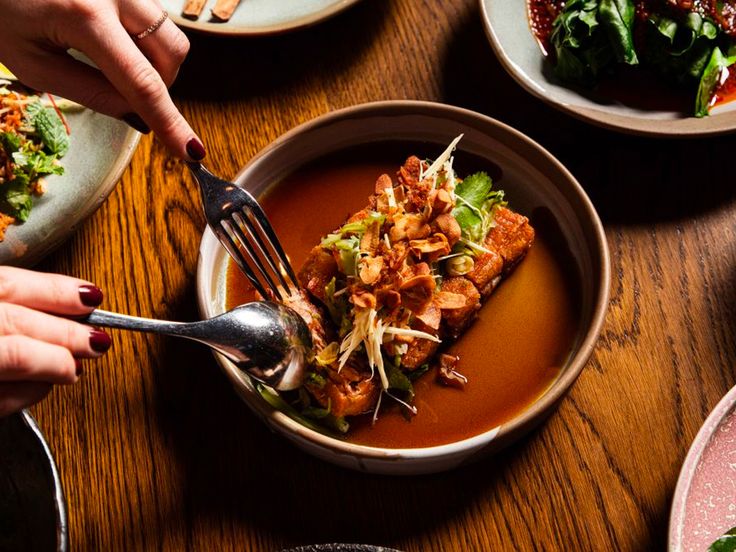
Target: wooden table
point(155, 450)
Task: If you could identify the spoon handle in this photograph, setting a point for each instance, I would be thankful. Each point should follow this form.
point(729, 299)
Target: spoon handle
point(138, 324)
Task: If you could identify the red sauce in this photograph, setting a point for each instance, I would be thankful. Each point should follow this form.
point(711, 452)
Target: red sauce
point(511, 354)
point(726, 91)
point(542, 13)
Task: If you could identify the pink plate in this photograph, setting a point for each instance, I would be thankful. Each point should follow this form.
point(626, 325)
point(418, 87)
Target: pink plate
point(704, 506)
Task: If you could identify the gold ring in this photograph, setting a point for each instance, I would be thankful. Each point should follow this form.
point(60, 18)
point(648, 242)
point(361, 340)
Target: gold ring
point(153, 27)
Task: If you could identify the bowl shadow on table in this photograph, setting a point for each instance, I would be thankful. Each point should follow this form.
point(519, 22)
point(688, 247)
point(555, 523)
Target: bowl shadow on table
point(236, 473)
point(630, 179)
point(220, 68)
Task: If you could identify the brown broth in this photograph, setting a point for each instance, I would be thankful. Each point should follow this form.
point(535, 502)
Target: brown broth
point(511, 354)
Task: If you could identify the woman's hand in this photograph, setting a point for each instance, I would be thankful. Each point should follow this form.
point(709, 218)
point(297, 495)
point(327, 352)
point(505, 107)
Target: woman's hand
point(37, 348)
point(133, 76)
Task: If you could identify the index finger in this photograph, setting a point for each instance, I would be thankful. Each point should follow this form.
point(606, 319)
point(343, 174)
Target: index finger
point(52, 293)
point(113, 50)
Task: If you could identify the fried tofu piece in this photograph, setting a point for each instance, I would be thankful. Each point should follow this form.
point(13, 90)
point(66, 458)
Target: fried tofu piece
point(317, 271)
point(347, 392)
point(419, 350)
point(454, 321)
point(508, 243)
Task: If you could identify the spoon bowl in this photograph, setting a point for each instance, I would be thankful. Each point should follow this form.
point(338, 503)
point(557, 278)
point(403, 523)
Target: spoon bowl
point(268, 341)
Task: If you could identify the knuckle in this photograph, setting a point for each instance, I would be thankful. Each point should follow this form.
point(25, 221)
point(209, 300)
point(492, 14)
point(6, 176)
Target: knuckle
point(67, 367)
point(8, 319)
point(179, 47)
point(7, 283)
point(148, 84)
point(85, 10)
point(75, 337)
point(14, 355)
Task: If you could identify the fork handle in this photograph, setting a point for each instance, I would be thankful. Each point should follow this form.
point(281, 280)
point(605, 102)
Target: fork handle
point(122, 321)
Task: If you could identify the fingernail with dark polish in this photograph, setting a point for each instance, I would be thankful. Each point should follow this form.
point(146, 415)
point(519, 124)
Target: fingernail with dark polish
point(99, 341)
point(195, 149)
point(134, 120)
point(91, 296)
point(80, 370)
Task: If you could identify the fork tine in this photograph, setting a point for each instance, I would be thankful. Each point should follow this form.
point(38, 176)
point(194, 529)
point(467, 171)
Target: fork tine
point(260, 217)
point(249, 229)
point(237, 234)
point(231, 245)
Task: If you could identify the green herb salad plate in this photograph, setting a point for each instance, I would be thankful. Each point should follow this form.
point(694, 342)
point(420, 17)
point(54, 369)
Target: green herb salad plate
point(258, 17)
point(615, 106)
point(100, 149)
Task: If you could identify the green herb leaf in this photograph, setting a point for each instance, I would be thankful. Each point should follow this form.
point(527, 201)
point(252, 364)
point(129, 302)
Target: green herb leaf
point(476, 202)
point(398, 380)
point(726, 543)
point(50, 128)
point(10, 142)
point(680, 50)
point(583, 50)
point(17, 199)
point(472, 192)
point(329, 425)
point(617, 19)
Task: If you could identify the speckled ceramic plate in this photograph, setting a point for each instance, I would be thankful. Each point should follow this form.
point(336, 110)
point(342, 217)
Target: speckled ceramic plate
point(258, 17)
point(32, 508)
point(100, 149)
point(508, 30)
point(704, 506)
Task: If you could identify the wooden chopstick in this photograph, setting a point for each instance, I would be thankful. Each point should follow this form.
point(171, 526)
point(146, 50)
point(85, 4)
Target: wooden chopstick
point(224, 9)
point(193, 8)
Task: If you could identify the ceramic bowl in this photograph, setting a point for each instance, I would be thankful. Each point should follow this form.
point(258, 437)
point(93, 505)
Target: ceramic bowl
point(507, 27)
point(531, 176)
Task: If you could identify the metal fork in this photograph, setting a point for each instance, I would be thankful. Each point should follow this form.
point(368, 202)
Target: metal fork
point(243, 229)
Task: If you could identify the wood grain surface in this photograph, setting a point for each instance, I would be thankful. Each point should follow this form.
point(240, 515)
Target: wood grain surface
point(155, 450)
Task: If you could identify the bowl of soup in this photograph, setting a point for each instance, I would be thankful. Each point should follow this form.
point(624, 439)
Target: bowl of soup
point(527, 343)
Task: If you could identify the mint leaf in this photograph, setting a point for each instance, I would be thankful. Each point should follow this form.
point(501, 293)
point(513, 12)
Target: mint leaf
point(49, 127)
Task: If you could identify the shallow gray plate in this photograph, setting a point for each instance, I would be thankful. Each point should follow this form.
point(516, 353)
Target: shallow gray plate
point(32, 508)
point(256, 17)
point(508, 30)
point(100, 150)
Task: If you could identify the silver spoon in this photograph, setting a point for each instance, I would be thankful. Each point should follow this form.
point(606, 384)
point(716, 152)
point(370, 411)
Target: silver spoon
point(268, 341)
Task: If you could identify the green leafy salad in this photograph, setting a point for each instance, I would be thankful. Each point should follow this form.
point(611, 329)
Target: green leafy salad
point(689, 44)
point(33, 138)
